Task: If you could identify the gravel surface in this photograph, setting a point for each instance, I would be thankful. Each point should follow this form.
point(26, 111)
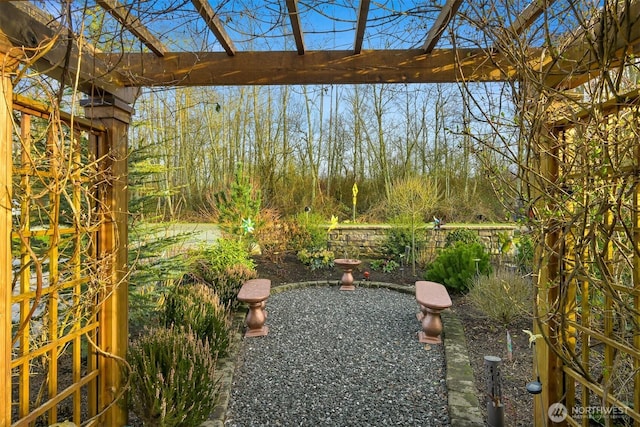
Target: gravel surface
point(339, 358)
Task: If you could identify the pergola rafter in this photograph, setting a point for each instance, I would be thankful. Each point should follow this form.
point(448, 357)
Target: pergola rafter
point(123, 14)
point(294, 18)
point(53, 53)
point(442, 21)
point(361, 25)
point(213, 22)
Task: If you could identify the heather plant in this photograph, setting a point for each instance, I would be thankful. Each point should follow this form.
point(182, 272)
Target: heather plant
point(172, 378)
point(456, 266)
point(228, 284)
point(197, 308)
point(503, 296)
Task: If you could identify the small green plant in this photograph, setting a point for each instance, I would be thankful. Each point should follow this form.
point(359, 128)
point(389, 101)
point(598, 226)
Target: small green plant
point(503, 296)
point(460, 235)
point(397, 240)
point(172, 378)
point(317, 259)
point(309, 234)
point(241, 202)
point(524, 253)
point(198, 308)
point(152, 265)
point(456, 266)
point(384, 265)
point(224, 267)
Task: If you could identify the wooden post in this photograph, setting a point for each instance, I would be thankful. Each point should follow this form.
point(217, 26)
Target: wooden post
point(111, 251)
point(549, 365)
point(6, 171)
point(636, 283)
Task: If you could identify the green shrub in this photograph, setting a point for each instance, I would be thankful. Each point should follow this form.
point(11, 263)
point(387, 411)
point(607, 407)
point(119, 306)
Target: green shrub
point(524, 253)
point(198, 308)
point(503, 296)
point(223, 254)
point(322, 258)
point(396, 242)
point(240, 202)
point(224, 267)
point(461, 235)
point(384, 265)
point(172, 378)
point(152, 265)
point(310, 233)
point(455, 266)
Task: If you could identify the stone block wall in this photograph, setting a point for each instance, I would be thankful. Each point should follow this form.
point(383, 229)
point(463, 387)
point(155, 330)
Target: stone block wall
point(365, 241)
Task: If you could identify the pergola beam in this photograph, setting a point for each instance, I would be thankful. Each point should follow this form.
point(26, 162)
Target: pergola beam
point(363, 13)
point(294, 17)
point(446, 15)
point(314, 67)
point(606, 45)
point(53, 53)
point(213, 22)
point(124, 16)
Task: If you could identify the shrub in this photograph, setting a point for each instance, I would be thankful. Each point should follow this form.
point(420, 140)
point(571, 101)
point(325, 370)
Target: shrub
point(310, 234)
point(455, 266)
point(225, 253)
point(384, 265)
point(524, 253)
point(228, 284)
point(172, 378)
point(503, 296)
point(224, 267)
point(272, 234)
point(197, 308)
point(241, 202)
point(317, 259)
point(461, 235)
point(152, 265)
point(396, 242)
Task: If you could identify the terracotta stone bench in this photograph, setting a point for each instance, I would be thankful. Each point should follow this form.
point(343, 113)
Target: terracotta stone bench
point(433, 298)
point(255, 293)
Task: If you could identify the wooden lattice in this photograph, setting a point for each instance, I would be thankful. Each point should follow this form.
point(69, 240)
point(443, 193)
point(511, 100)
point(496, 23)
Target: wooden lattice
point(55, 290)
point(589, 284)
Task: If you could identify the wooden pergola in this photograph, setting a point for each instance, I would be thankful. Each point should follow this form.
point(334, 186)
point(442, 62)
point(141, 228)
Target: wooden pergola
point(33, 40)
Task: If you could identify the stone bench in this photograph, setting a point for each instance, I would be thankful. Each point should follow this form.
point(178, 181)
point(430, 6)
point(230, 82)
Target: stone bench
point(433, 298)
point(255, 293)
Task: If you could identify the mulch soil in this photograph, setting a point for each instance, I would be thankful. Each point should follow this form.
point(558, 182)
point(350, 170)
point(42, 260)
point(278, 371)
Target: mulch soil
point(485, 337)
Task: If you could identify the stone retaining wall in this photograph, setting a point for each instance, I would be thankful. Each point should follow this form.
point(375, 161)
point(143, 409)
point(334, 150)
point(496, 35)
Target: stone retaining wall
point(366, 241)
